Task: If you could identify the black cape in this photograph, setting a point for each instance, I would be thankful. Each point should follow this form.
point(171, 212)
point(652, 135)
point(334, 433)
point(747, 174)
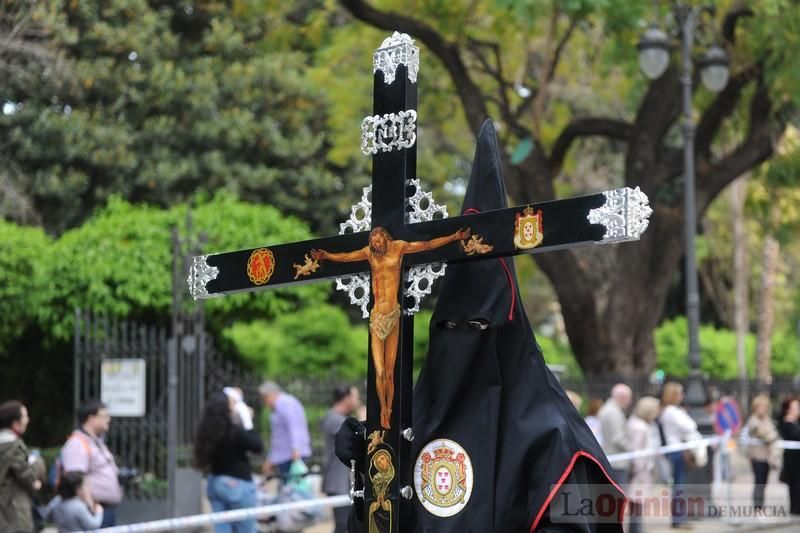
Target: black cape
point(535, 464)
point(490, 391)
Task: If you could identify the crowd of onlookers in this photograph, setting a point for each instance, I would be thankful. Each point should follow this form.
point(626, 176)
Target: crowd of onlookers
point(87, 480)
point(654, 423)
point(84, 474)
point(226, 439)
point(89, 486)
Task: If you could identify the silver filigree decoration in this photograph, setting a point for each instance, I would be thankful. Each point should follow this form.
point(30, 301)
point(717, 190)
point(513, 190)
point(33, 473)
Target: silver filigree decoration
point(418, 213)
point(384, 133)
point(625, 214)
point(357, 286)
point(360, 214)
point(419, 282)
point(394, 51)
point(200, 273)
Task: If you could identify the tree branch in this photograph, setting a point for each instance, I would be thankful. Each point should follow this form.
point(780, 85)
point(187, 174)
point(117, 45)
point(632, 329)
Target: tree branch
point(471, 96)
point(756, 148)
point(551, 72)
point(542, 93)
point(584, 127)
point(496, 72)
point(730, 20)
point(657, 112)
point(722, 106)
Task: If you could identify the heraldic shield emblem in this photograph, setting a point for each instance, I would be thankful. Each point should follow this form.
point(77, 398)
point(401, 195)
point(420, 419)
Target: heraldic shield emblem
point(528, 229)
point(443, 477)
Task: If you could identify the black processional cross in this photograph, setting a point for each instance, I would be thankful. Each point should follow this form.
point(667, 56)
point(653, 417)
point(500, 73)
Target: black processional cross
point(396, 236)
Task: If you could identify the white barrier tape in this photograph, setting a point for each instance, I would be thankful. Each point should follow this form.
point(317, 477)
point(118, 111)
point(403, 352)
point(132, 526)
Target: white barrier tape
point(172, 524)
point(782, 444)
point(618, 457)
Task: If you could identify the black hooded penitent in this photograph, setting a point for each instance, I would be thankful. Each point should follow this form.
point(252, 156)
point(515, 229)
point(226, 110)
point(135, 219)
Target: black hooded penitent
point(485, 385)
point(535, 465)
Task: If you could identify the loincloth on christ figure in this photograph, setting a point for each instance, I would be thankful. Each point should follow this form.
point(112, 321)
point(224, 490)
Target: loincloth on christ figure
point(381, 324)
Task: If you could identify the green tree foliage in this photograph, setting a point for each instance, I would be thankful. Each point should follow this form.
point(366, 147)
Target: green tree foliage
point(771, 213)
point(232, 224)
point(30, 57)
point(718, 353)
point(23, 254)
point(119, 263)
point(317, 341)
point(169, 99)
point(422, 321)
point(785, 359)
point(774, 199)
point(558, 352)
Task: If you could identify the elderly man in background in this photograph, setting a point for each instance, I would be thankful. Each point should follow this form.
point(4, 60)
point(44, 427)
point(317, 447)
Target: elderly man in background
point(289, 436)
point(613, 428)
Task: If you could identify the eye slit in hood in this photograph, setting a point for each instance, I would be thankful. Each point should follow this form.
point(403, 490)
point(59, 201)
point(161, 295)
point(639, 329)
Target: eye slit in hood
point(478, 323)
point(446, 324)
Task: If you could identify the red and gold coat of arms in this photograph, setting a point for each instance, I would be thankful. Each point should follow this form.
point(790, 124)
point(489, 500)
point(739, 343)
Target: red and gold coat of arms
point(528, 229)
point(443, 477)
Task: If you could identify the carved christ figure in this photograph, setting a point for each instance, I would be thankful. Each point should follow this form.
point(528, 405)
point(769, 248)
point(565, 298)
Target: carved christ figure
point(385, 257)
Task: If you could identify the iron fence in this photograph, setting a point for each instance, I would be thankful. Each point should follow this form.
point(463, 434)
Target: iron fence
point(137, 442)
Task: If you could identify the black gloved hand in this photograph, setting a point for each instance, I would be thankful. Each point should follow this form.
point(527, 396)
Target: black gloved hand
point(351, 443)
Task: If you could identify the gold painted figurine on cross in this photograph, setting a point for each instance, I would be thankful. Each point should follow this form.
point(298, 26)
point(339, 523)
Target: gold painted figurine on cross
point(385, 258)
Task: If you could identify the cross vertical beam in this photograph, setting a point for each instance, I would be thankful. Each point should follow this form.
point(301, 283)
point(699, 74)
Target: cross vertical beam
point(393, 163)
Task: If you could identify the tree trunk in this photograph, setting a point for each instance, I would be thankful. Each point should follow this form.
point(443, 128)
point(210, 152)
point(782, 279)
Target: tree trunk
point(612, 298)
point(740, 281)
point(766, 314)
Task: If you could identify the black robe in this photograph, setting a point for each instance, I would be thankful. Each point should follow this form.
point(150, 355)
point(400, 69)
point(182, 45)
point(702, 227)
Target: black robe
point(485, 386)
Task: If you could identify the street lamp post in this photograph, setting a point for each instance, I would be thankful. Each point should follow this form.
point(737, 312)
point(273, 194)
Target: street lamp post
point(654, 48)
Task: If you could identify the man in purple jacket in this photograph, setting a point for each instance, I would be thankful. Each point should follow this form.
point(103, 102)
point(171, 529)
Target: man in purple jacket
point(289, 437)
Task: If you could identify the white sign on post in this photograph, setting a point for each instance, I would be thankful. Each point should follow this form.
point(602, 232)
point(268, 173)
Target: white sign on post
point(122, 386)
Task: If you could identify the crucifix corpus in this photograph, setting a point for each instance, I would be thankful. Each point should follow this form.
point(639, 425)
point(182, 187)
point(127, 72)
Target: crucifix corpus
point(389, 252)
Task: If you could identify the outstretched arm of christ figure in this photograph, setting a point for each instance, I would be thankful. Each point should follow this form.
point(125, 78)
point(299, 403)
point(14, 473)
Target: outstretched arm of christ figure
point(343, 257)
point(438, 242)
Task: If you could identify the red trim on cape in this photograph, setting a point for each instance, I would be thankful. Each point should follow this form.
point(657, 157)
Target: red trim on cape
point(471, 211)
point(567, 471)
point(513, 289)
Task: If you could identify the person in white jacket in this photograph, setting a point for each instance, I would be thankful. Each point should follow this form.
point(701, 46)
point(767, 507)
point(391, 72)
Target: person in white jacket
point(678, 427)
point(641, 436)
point(760, 426)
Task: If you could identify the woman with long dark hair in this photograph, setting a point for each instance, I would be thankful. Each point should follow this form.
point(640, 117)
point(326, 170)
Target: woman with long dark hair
point(224, 437)
point(790, 430)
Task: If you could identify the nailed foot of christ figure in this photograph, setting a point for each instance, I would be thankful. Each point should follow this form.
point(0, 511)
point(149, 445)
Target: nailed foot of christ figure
point(385, 258)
